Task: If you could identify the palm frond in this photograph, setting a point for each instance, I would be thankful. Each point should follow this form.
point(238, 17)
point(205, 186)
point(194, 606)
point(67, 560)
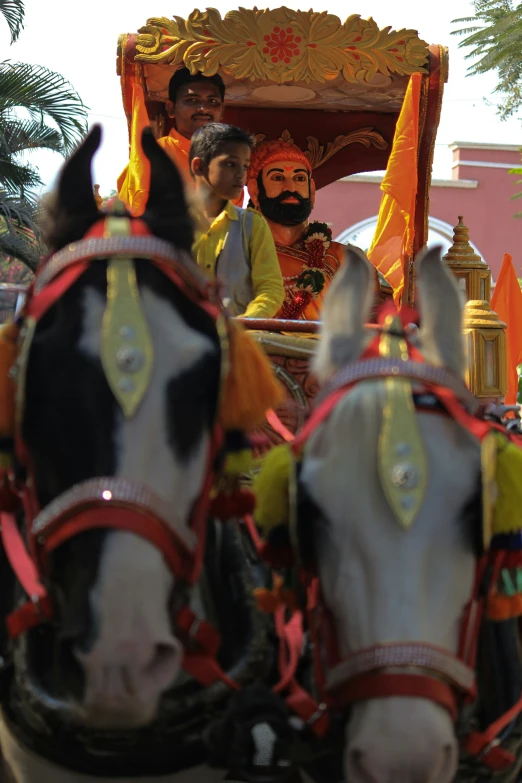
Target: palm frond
point(20, 211)
point(43, 93)
point(13, 12)
point(22, 135)
point(19, 232)
point(21, 249)
point(18, 178)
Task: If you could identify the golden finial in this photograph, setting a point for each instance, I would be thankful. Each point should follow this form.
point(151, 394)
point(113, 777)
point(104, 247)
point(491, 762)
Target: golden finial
point(483, 329)
point(461, 253)
point(98, 199)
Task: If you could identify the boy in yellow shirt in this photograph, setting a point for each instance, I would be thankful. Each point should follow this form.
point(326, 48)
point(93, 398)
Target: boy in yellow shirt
point(231, 243)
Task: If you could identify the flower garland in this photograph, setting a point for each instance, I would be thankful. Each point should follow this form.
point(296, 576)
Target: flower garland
point(303, 288)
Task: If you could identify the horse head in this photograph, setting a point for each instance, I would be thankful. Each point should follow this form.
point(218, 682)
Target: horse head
point(392, 479)
point(118, 384)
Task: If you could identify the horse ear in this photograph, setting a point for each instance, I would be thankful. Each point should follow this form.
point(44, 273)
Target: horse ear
point(441, 309)
point(72, 209)
point(166, 212)
point(346, 309)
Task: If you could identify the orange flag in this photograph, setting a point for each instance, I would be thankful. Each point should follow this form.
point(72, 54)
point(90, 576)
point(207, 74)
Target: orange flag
point(393, 238)
point(134, 181)
point(507, 303)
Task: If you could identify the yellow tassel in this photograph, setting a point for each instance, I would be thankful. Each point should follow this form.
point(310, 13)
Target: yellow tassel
point(250, 387)
point(6, 461)
point(237, 462)
point(271, 489)
point(8, 353)
point(507, 515)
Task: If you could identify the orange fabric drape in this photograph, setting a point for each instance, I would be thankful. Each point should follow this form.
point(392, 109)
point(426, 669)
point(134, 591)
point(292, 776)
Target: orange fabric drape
point(393, 238)
point(131, 180)
point(507, 303)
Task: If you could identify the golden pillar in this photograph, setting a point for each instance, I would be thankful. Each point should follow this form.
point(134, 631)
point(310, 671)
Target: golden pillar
point(485, 333)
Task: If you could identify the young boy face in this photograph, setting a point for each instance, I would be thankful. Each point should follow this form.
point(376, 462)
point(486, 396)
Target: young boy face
point(227, 172)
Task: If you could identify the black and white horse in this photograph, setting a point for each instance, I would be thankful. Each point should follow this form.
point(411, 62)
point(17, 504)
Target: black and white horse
point(90, 692)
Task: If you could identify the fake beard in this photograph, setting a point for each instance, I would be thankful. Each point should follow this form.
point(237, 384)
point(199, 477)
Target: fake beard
point(284, 214)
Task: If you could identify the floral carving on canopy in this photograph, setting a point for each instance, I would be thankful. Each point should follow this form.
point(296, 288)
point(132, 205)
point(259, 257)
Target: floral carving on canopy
point(281, 45)
point(318, 153)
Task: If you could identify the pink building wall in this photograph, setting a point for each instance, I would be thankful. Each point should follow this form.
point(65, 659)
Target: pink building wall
point(480, 189)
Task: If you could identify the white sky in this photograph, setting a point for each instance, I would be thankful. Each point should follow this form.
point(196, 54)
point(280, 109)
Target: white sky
point(79, 40)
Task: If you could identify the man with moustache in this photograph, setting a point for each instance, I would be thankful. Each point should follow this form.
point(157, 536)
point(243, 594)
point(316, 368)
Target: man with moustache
point(194, 101)
point(281, 187)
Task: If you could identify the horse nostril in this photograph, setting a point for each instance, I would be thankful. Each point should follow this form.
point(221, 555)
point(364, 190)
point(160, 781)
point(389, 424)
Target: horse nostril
point(445, 770)
point(163, 665)
point(357, 767)
point(164, 655)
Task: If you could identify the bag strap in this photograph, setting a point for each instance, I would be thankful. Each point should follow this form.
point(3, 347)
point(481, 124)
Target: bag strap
point(246, 216)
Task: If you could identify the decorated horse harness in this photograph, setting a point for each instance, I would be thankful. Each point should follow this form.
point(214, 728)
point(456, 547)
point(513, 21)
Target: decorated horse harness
point(113, 502)
point(407, 669)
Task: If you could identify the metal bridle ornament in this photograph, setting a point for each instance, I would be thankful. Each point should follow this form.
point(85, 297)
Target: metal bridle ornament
point(402, 458)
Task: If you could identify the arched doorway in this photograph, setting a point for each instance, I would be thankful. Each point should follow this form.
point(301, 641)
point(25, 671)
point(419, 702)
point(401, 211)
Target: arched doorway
point(439, 233)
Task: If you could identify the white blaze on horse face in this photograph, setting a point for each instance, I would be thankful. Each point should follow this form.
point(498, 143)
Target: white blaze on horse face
point(385, 584)
point(135, 656)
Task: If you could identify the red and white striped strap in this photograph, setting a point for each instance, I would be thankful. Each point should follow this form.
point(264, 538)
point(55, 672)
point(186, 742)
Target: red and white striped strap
point(403, 655)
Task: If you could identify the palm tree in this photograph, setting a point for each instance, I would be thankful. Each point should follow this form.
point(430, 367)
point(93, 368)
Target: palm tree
point(29, 97)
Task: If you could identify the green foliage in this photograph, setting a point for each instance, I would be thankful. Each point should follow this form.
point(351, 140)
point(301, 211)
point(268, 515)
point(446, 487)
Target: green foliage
point(13, 12)
point(45, 95)
point(517, 171)
point(31, 96)
point(19, 232)
point(494, 36)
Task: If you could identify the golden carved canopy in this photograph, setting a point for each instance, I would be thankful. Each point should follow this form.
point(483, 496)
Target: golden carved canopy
point(335, 87)
point(285, 58)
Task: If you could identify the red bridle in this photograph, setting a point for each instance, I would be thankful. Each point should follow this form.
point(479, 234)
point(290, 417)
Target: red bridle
point(403, 669)
point(109, 502)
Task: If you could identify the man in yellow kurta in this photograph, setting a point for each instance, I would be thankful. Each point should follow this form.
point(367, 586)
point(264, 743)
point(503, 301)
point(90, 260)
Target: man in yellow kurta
point(194, 100)
point(281, 187)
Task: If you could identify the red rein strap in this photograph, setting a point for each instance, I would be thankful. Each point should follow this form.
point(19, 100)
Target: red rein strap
point(278, 426)
point(39, 608)
point(383, 685)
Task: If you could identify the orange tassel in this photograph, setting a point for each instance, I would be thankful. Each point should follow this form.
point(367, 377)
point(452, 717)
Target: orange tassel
point(267, 601)
point(8, 353)
point(251, 387)
point(504, 607)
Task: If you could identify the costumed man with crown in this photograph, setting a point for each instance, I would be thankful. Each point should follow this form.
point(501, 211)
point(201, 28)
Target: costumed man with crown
point(281, 187)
